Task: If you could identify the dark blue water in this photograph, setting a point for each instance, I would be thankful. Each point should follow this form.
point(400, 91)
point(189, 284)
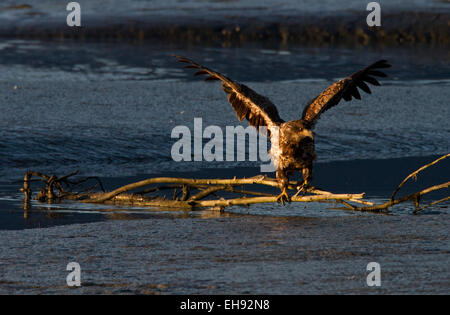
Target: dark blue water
point(108, 109)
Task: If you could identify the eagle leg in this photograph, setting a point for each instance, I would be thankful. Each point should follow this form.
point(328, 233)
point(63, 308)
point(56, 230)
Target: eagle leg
point(307, 178)
point(284, 196)
point(302, 188)
point(283, 180)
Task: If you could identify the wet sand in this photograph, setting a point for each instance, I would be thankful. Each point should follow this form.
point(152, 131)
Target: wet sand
point(232, 254)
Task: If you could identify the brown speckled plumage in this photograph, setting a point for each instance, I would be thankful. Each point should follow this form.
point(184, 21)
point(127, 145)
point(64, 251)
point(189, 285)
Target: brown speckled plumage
point(293, 149)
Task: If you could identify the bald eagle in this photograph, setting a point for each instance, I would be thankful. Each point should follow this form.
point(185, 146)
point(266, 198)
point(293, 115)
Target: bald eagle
point(294, 140)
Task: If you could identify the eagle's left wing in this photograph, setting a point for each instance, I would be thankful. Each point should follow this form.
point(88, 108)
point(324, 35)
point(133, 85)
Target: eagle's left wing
point(346, 89)
point(257, 109)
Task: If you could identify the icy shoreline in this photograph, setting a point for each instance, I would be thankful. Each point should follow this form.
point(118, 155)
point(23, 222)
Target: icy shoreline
point(232, 26)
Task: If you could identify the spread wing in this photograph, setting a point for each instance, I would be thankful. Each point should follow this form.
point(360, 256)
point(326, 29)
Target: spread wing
point(346, 89)
point(257, 109)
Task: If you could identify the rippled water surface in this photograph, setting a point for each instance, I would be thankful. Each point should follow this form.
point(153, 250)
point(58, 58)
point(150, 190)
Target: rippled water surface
point(109, 109)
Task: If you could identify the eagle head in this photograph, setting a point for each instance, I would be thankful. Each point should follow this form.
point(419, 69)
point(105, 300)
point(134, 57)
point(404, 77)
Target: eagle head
point(297, 131)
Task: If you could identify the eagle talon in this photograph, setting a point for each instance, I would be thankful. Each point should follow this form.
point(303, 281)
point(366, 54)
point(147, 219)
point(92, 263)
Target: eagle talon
point(284, 196)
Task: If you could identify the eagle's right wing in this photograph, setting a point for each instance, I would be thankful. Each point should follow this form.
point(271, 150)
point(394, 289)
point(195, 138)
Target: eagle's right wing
point(346, 89)
point(257, 109)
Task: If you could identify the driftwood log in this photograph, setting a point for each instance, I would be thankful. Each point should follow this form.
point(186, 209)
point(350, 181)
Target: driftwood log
point(212, 194)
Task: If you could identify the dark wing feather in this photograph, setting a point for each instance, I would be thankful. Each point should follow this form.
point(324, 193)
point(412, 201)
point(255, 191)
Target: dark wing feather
point(346, 89)
point(257, 109)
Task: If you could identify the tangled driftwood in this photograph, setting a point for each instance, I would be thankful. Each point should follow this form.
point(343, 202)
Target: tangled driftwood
point(213, 194)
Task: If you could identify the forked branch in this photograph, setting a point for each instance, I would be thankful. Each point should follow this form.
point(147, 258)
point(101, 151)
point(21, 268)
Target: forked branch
point(195, 194)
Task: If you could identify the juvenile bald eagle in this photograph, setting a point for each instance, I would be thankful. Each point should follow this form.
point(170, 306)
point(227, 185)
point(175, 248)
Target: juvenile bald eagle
point(293, 148)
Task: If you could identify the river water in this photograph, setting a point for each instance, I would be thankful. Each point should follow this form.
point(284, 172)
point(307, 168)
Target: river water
point(108, 110)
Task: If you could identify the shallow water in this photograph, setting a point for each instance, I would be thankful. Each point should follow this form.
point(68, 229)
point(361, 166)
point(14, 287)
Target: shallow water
point(108, 110)
point(89, 106)
point(251, 62)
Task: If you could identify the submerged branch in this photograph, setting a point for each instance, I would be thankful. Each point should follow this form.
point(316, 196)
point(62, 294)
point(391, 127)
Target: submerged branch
point(431, 204)
point(415, 197)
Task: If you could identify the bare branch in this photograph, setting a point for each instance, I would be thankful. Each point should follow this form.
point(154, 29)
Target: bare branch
point(414, 174)
point(211, 194)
